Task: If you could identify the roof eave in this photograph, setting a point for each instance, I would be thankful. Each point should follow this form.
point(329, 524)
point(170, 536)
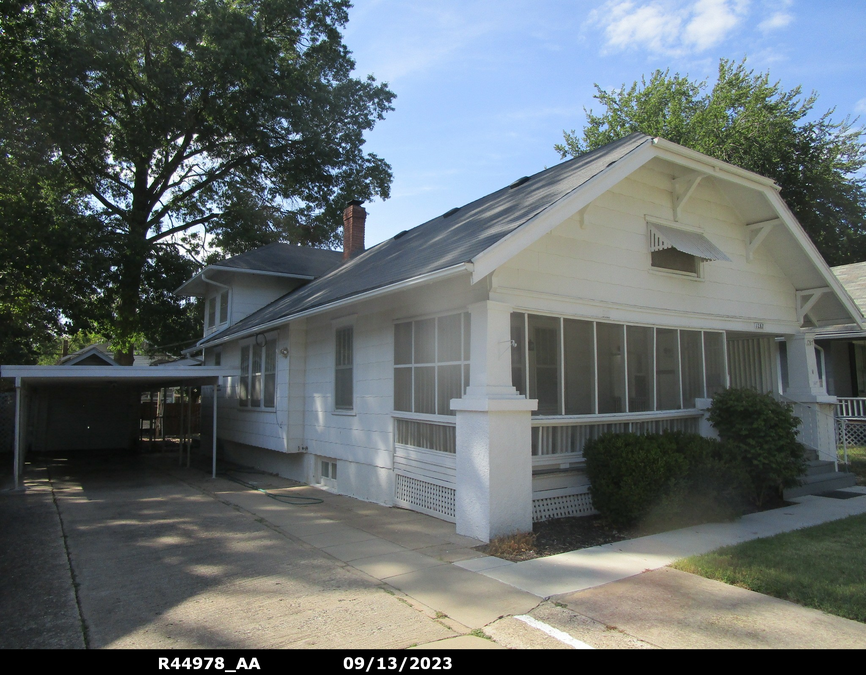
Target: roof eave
point(453, 270)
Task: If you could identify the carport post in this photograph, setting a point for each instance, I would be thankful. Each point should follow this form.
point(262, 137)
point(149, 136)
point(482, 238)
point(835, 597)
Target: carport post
point(214, 426)
point(188, 424)
point(19, 432)
point(180, 431)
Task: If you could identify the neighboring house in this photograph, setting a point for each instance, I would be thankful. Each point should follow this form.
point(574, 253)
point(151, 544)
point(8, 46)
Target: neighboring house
point(842, 349)
point(459, 367)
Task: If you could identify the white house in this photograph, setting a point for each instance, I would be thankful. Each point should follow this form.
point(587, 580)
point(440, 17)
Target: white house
point(458, 367)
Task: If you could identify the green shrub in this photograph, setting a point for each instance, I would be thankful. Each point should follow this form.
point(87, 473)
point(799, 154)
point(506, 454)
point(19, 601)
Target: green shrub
point(759, 434)
point(662, 480)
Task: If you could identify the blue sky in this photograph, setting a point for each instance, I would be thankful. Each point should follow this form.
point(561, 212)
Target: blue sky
point(485, 88)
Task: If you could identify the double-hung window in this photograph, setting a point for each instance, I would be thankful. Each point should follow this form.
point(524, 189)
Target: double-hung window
point(431, 363)
point(344, 359)
point(258, 379)
point(217, 310)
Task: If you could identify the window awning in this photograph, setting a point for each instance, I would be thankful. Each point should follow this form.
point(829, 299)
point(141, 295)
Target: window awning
point(693, 243)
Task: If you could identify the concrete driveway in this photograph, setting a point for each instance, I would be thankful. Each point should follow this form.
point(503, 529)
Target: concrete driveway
point(117, 552)
point(109, 551)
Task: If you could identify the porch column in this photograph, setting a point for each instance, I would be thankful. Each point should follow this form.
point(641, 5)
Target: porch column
point(494, 463)
point(812, 404)
point(803, 381)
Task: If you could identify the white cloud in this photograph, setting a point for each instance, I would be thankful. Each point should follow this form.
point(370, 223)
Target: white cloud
point(775, 21)
point(860, 107)
point(672, 27)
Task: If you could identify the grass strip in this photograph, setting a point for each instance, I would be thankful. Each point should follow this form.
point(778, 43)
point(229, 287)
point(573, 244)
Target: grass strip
point(823, 567)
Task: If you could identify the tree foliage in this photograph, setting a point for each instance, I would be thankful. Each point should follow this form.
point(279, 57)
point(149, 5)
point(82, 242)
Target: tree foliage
point(747, 120)
point(179, 117)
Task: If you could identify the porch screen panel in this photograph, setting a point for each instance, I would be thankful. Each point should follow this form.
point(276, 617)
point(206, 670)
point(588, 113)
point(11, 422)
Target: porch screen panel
point(449, 350)
point(518, 352)
point(448, 386)
point(579, 349)
point(714, 362)
point(403, 367)
point(425, 341)
point(449, 342)
point(691, 363)
point(544, 363)
point(667, 369)
point(403, 389)
point(256, 378)
point(425, 389)
point(610, 361)
point(640, 368)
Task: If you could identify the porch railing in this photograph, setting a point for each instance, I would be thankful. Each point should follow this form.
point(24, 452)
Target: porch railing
point(557, 440)
point(851, 408)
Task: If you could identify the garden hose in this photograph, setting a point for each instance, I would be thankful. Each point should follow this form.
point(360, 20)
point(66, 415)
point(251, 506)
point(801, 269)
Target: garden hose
point(283, 499)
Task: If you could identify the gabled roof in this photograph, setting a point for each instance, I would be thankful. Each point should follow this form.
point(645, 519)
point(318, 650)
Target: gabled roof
point(452, 239)
point(93, 355)
point(480, 236)
point(277, 259)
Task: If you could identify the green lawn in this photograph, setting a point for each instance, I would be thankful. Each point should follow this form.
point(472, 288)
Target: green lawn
point(823, 567)
point(856, 463)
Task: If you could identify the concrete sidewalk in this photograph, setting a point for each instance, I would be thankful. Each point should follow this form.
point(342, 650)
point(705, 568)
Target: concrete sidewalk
point(166, 556)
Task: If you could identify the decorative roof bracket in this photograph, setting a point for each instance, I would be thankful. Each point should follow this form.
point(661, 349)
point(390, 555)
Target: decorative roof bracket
point(813, 295)
point(684, 186)
point(760, 231)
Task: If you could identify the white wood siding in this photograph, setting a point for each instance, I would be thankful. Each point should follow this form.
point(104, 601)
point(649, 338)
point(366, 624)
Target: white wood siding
point(605, 265)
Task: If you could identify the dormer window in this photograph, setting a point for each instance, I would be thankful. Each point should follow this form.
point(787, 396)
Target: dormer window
point(681, 251)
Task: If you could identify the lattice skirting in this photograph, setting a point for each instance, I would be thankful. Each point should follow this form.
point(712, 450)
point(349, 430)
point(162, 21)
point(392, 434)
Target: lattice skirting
point(563, 506)
point(852, 432)
point(430, 498)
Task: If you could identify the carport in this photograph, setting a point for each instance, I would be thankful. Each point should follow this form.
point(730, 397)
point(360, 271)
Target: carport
point(80, 382)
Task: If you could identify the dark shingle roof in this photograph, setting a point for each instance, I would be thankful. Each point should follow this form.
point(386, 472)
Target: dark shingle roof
point(285, 259)
point(853, 278)
point(444, 241)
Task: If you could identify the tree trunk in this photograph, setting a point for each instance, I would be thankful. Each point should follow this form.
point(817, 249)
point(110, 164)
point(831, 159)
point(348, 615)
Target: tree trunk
point(129, 290)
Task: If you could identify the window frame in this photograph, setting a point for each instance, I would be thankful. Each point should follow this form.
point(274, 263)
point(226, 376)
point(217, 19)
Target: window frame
point(650, 370)
point(339, 406)
point(267, 373)
point(699, 262)
point(436, 365)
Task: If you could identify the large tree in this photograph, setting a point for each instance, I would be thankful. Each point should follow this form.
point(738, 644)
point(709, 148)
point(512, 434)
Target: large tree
point(749, 121)
point(235, 118)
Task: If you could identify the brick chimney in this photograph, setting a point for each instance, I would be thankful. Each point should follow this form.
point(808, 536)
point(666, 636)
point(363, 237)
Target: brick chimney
point(354, 219)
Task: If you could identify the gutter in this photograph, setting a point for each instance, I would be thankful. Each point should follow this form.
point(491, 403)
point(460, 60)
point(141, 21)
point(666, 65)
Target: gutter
point(368, 295)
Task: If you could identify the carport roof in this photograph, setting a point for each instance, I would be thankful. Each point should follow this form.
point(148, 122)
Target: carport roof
point(162, 376)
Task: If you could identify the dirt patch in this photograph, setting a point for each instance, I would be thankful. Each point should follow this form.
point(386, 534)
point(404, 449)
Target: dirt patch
point(556, 536)
point(571, 534)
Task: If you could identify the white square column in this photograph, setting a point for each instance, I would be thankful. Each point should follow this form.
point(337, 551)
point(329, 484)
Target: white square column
point(812, 405)
point(803, 381)
point(494, 434)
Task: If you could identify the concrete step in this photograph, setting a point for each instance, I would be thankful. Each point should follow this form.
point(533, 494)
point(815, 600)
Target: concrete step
point(816, 467)
point(821, 482)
